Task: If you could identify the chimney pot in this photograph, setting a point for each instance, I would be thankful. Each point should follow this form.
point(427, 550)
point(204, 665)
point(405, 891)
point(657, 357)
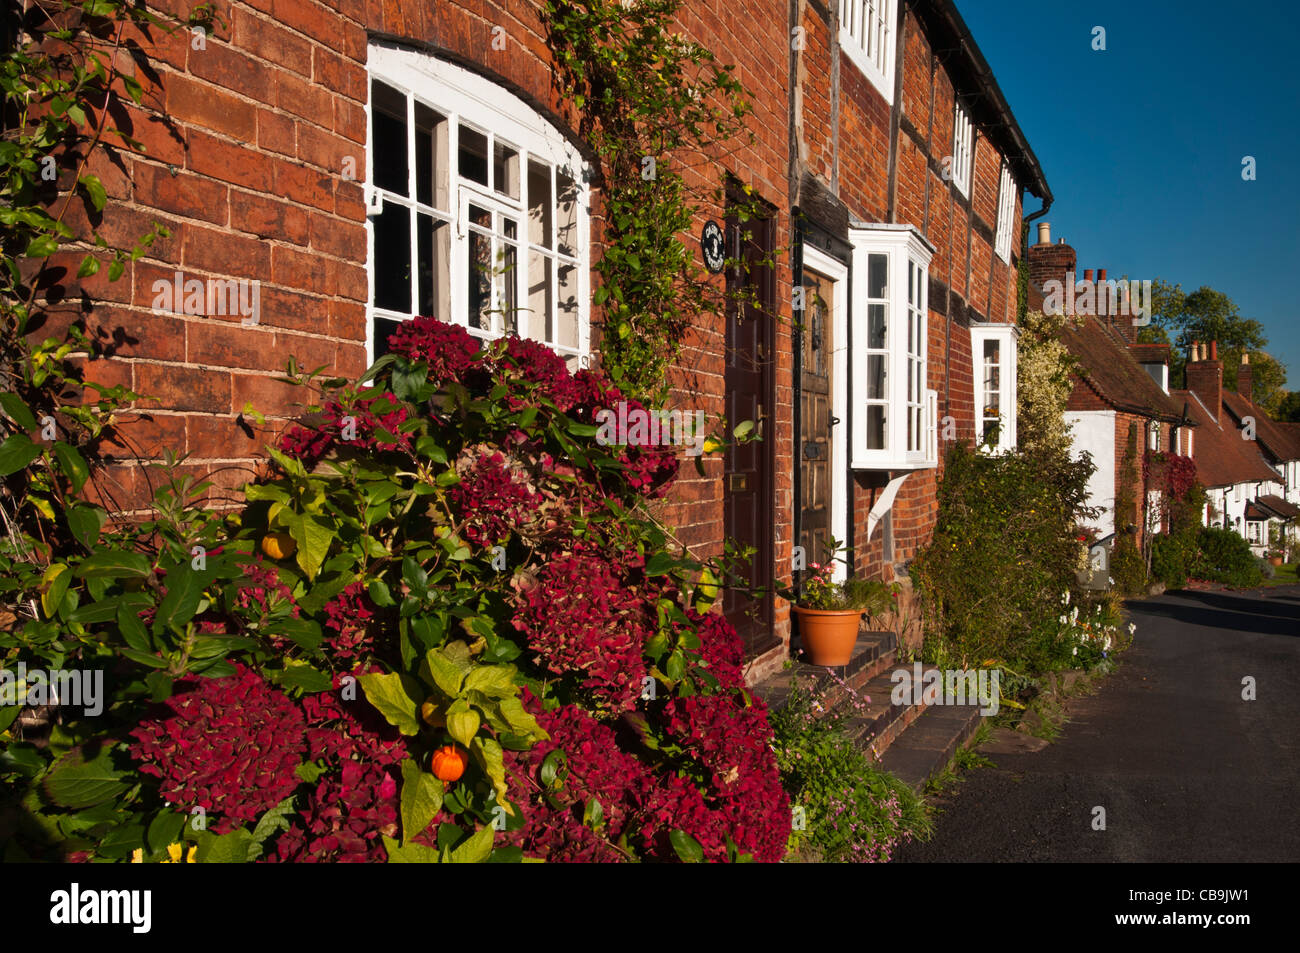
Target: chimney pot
point(1101, 274)
point(1245, 357)
point(1214, 350)
point(1044, 233)
point(1087, 274)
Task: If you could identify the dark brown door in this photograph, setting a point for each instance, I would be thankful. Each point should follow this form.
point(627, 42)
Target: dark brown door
point(815, 440)
point(747, 508)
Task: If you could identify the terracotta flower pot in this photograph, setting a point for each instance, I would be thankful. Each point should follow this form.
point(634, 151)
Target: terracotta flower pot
point(828, 635)
point(1275, 560)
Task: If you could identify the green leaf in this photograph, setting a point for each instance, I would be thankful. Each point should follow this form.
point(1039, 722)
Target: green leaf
point(18, 411)
point(310, 771)
point(55, 583)
point(409, 853)
point(111, 565)
point(275, 819)
point(184, 591)
point(593, 815)
point(94, 188)
point(73, 464)
point(497, 681)
point(89, 266)
point(687, 847)
point(660, 564)
point(76, 782)
point(397, 697)
point(512, 710)
point(304, 677)
point(17, 452)
point(165, 829)
point(144, 658)
point(743, 428)
point(476, 850)
point(313, 539)
point(231, 848)
point(86, 522)
point(421, 799)
point(448, 669)
point(462, 721)
point(42, 246)
point(379, 594)
point(488, 753)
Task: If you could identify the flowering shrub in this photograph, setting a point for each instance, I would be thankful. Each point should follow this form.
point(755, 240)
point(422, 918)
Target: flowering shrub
point(456, 562)
point(847, 808)
point(1082, 636)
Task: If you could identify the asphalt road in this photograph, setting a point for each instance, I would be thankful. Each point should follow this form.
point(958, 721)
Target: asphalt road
point(1185, 768)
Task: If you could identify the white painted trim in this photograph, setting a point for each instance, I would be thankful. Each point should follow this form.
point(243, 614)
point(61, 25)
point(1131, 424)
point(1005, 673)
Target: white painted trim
point(882, 80)
point(884, 503)
point(838, 273)
point(466, 97)
point(1005, 335)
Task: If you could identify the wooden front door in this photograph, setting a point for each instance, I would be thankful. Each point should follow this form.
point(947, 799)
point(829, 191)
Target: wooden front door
point(748, 514)
point(816, 446)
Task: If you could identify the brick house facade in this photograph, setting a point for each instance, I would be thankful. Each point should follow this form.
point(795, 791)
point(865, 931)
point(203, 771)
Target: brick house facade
point(350, 156)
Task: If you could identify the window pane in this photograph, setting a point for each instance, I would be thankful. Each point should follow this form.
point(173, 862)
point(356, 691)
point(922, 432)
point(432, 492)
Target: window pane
point(434, 240)
point(876, 377)
point(505, 169)
point(383, 327)
point(877, 276)
point(507, 278)
point(876, 427)
point(566, 212)
point(473, 155)
point(566, 318)
point(478, 304)
point(540, 296)
point(430, 166)
point(875, 325)
point(540, 220)
point(393, 258)
point(388, 122)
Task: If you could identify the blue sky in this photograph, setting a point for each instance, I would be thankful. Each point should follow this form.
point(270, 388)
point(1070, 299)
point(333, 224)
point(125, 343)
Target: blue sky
point(1143, 143)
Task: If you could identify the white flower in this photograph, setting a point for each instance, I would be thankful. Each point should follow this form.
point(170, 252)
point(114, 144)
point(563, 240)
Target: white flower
point(1076, 650)
point(1074, 614)
point(1112, 580)
point(1064, 620)
point(1132, 628)
point(1065, 598)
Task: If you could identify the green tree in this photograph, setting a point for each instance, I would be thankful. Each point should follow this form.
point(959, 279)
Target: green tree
point(1179, 318)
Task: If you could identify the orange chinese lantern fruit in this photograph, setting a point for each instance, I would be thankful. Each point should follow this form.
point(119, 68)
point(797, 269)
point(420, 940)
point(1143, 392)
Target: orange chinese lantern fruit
point(449, 763)
point(278, 545)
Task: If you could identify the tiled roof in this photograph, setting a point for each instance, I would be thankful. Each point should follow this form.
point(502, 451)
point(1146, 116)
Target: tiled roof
point(1280, 441)
point(1257, 514)
point(1108, 365)
point(1279, 507)
point(1222, 456)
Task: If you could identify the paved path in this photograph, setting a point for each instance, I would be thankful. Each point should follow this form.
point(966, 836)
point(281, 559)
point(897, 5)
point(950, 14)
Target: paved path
point(1186, 770)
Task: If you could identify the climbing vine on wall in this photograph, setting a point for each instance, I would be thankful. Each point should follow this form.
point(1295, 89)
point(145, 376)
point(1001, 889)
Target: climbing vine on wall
point(650, 103)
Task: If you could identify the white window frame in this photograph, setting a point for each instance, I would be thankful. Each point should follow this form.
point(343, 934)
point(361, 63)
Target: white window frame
point(463, 97)
point(963, 149)
point(908, 254)
point(867, 37)
point(1006, 213)
point(1005, 336)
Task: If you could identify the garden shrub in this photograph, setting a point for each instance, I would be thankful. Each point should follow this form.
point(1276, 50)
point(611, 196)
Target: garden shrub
point(443, 554)
point(1223, 556)
point(851, 809)
point(1004, 549)
point(1172, 557)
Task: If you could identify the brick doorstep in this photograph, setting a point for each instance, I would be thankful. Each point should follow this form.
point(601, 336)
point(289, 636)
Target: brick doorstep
point(929, 745)
point(913, 742)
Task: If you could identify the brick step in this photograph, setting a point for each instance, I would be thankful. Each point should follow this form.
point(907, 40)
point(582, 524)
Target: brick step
point(873, 653)
point(930, 743)
point(881, 721)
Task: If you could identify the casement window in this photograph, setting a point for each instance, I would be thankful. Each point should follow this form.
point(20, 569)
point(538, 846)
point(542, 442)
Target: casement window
point(867, 36)
point(477, 206)
point(894, 414)
point(993, 352)
point(1153, 436)
point(1006, 214)
point(963, 143)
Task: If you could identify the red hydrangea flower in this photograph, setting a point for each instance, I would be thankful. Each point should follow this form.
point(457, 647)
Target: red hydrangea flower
point(229, 745)
point(347, 616)
point(492, 497)
point(579, 618)
point(351, 427)
point(448, 349)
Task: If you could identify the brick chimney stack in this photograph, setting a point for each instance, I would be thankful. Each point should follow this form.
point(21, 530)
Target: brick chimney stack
point(1245, 377)
point(1048, 262)
point(1205, 378)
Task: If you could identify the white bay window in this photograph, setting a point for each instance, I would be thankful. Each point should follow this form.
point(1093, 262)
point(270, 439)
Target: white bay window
point(894, 423)
point(993, 353)
point(478, 208)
